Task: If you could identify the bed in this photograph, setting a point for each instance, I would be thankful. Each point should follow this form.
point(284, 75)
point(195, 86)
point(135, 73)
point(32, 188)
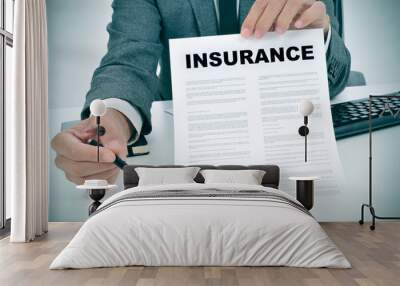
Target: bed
point(198, 224)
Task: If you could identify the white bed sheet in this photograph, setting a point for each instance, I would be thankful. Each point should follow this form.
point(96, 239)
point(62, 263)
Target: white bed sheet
point(193, 231)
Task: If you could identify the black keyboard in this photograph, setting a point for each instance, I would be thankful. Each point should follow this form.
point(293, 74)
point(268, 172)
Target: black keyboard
point(351, 117)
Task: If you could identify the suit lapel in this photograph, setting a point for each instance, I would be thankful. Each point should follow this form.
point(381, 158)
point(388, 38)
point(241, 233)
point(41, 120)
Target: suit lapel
point(244, 8)
point(204, 12)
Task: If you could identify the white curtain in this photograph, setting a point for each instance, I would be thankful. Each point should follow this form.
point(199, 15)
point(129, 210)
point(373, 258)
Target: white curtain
point(28, 127)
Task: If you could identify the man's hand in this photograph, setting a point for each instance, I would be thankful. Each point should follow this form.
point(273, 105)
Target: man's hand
point(79, 160)
point(280, 15)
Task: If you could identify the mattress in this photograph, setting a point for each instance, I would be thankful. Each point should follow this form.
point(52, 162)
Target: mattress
point(201, 225)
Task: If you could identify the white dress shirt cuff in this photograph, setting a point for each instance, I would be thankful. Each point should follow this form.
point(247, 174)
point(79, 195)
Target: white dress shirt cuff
point(130, 112)
point(328, 39)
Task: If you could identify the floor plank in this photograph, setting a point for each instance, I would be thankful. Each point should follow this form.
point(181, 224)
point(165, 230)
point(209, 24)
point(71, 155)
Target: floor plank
point(375, 257)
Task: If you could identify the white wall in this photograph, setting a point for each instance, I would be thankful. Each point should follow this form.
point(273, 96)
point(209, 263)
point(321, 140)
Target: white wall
point(77, 41)
point(372, 34)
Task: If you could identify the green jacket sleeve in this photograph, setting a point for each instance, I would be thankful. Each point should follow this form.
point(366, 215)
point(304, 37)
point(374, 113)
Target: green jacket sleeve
point(337, 57)
point(128, 70)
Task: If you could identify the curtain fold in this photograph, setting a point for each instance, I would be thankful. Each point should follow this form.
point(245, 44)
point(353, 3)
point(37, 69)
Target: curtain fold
point(28, 157)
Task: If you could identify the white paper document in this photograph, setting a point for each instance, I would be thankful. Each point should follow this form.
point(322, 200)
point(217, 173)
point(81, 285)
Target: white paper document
point(236, 101)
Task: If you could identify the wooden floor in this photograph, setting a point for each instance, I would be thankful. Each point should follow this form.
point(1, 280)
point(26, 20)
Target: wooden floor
point(375, 257)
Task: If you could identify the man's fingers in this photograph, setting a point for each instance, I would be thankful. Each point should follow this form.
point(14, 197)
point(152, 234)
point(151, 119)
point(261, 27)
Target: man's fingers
point(113, 179)
point(117, 147)
point(81, 169)
point(110, 176)
point(74, 179)
point(103, 175)
point(268, 17)
point(250, 22)
point(87, 153)
point(84, 134)
point(315, 12)
point(264, 15)
point(67, 145)
point(288, 13)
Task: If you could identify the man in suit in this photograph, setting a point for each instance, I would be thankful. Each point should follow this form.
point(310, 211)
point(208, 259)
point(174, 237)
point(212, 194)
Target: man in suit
point(139, 32)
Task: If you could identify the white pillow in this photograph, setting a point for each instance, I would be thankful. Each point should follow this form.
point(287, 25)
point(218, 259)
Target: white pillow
point(165, 176)
point(248, 177)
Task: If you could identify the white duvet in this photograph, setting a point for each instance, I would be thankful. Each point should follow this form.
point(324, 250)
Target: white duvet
point(200, 231)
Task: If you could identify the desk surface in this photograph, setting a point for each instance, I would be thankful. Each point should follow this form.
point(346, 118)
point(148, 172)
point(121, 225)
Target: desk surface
point(68, 204)
point(359, 92)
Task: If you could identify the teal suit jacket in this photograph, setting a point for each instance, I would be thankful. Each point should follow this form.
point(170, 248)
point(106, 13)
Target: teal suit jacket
point(138, 41)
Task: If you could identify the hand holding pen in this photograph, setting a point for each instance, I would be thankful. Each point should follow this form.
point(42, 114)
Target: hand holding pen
point(99, 109)
point(78, 159)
